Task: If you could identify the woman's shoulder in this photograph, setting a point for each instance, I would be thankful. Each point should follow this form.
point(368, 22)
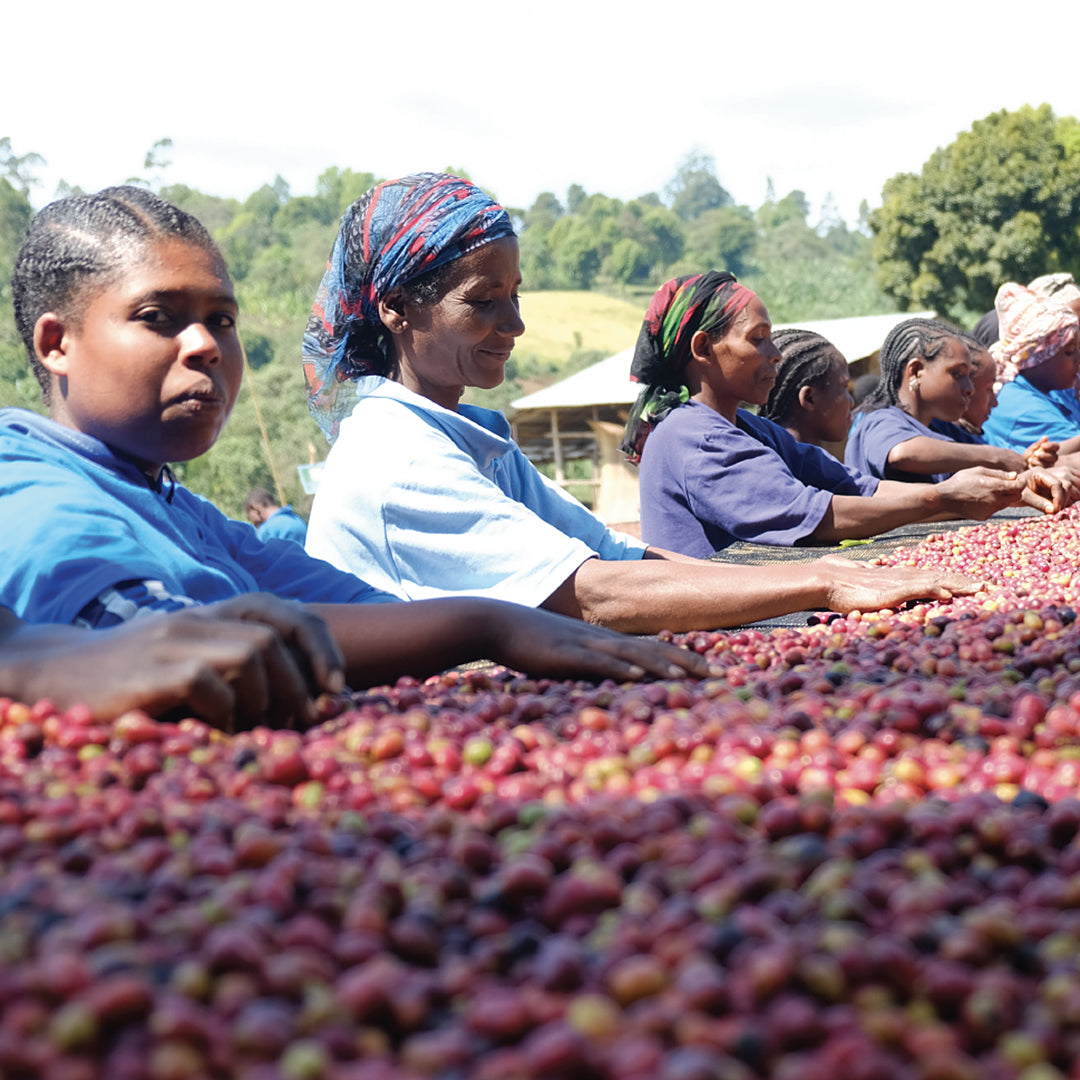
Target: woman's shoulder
point(690, 426)
point(889, 419)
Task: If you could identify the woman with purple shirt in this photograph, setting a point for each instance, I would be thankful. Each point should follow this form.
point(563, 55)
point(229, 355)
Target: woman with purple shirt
point(713, 473)
point(927, 373)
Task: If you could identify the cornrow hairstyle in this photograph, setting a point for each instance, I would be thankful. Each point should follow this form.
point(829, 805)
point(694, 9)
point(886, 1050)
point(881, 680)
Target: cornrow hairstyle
point(974, 345)
point(76, 247)
point(908, 339)
point(807, 358)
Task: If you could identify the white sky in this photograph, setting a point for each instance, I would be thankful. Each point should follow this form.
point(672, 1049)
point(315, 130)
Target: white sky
point(833, 97)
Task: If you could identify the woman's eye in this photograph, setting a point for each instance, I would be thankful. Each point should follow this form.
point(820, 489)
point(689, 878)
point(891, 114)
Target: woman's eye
point(224, 320)
point(153, 316)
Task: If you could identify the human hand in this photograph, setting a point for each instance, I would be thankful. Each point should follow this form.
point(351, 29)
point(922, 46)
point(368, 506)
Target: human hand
point(979, 492)
point(1044, 491)
point(1041, 454)
point(1070, 482)
point(252, 659)
point(542, 643)
point(858, 586)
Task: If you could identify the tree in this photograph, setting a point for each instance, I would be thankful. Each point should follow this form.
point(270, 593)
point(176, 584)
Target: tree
point(544, 212)
point(340, 188)
point(17, 383)
point(628, 262)
point(999, 203)
point(17, 168)
point(723, 239)
point(695, 188)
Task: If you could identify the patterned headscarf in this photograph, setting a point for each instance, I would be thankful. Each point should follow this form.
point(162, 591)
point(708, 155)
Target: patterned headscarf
point(1032, 328)
point(1060, 288)
point(680, 308)
point(390, 236)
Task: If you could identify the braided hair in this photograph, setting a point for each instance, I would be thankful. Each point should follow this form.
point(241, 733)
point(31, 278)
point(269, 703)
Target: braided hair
point(926, 338)
point(807, 358)
point(76, 247)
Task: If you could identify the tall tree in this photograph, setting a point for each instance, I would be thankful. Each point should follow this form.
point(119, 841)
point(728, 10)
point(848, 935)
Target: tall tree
point(999, 203)
point(694, 189)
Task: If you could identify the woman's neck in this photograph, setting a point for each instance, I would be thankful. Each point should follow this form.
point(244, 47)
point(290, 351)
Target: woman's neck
point(915, 407)
point(706, 395)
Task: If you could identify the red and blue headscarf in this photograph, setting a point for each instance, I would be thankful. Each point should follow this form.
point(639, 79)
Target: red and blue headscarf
point(680, 308)
point(390, 236)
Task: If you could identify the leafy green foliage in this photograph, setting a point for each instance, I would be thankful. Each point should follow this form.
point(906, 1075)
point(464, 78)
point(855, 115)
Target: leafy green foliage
point(997, 204)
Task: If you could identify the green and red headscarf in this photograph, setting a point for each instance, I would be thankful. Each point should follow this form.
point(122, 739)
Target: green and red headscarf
point(681, 307)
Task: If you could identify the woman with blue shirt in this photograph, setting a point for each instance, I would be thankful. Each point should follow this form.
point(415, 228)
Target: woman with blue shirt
point(424, 496)
point(713, 473)
point(1038, 360)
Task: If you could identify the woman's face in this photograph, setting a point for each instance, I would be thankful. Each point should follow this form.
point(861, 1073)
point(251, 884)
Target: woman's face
point(154, 365)
point(1060, 371)
point(744, 361)
point(983, 398)
point(466, 336)
point(944, 384)
point(832, 402)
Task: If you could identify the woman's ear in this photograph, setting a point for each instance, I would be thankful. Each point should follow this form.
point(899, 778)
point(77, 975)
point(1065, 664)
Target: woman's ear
point(392, 311)
point(50, 343)
point(806, 398)
point(700, 347)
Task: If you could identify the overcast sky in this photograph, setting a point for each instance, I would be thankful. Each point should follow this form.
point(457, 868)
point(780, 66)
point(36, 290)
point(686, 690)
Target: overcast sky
point(526, 97)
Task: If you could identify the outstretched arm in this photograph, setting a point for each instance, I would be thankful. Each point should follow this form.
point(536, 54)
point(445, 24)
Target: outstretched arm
point(664, 591)
point(971, 493)
point(382, 641)
point(926, 456)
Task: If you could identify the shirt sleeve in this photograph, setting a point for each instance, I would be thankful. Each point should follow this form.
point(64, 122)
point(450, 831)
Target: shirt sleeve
point(128, 599)
point(426, 522)
point(744, 487)
point(70, 545)
point(548, 501)
point(285, 569)
point(809, 463)
point(873, 439)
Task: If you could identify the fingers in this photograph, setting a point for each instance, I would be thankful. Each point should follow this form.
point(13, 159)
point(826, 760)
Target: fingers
point(619, 656)
point(305, 633)
point(664, 660)
point(287, 699)
point(224, 668)
point(547, 644)
point(1044, 491)
point(209, 697)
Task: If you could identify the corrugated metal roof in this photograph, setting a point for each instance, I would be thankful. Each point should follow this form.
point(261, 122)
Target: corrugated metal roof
point(608, 382)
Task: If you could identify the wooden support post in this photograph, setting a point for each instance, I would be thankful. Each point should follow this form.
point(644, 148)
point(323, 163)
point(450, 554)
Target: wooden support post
point(560, 475)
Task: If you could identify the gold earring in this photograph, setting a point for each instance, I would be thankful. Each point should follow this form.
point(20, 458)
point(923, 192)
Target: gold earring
point(913, 384)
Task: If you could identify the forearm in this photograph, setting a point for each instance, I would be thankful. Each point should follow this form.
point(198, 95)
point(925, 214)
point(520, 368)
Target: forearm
point(855, 517)
point(381, 642)
point(669, 592)
point(25, 674)
point(930, 456)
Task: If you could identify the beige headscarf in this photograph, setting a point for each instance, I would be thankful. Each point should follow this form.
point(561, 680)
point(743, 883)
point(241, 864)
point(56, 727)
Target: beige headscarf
point(1032, 330)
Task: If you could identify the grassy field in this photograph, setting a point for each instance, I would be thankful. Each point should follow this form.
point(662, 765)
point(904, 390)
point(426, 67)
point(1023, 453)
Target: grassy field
point(560, 323)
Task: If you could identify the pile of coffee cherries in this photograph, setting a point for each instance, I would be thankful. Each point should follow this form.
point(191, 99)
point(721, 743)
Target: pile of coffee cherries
point(854, 852)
